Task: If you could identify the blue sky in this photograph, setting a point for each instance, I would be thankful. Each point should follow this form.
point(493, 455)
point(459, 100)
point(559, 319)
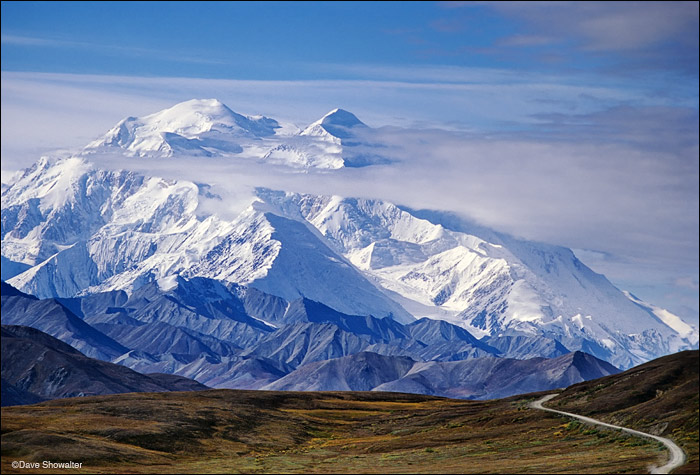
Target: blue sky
point(597, 97)
point(280, 40)
point(549, 58)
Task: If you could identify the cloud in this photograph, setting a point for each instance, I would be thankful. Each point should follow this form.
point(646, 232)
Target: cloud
point(526, 40)
point(479, 99)
point(607, 26)
point(625, 27)
point(612, 198)
point(688, 282)
point(659, 128)
point(106, 49)
point(35, 41)
point(625, 35)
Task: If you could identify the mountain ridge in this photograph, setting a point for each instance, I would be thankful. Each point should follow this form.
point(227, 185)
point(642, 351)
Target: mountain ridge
point(200, 329)
point(210, 129)
point(466, 379)
point(36, 366)
point(201, 127)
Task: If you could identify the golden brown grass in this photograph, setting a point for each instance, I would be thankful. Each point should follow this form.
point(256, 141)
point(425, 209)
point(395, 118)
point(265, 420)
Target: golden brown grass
point(225, 431)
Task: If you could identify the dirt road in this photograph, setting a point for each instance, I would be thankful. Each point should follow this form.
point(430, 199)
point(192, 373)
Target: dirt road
point(677, 455)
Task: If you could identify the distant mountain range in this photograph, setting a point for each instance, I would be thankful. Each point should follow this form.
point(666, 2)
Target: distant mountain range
point(131, 269)
point(201, 329)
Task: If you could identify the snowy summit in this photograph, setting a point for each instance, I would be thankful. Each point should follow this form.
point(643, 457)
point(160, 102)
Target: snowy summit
point(337, 140)
point(338, 123)
point(199, 127)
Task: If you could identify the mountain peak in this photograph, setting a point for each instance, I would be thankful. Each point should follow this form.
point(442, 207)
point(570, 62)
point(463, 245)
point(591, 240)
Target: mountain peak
point(341, 117)
point(338, 123)
point(211, 108)
point(337, 140)
point(192, 118)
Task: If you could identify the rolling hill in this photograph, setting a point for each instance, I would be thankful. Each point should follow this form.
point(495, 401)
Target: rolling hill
point(361, 432)
point(659, 397)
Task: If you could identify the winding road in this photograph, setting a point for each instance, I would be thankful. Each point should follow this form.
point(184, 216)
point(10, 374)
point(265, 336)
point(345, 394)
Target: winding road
point(677, 455)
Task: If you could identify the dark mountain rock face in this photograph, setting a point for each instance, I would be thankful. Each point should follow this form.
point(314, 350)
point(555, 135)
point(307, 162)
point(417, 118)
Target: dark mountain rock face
point(526, 346)
point(478, 378)
point(50, 316)
point(36, 367)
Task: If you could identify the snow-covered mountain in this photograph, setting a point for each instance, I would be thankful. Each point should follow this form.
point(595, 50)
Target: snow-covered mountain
point(491, 284)
point(71, 229)
point(208, 128)
point(337, 124)
point(78, 227)
point(338, 139)
point(116, 230)
point(199, 127)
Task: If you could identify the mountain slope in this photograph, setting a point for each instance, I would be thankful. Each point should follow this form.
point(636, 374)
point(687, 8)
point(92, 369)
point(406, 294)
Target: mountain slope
point(359, 372)
point(11, 268)
point(131, 230)
point(80, 227)
point(337, 140)
point(660, 397)
point(51, 317)
point(46, 368)
point(338, 123)
point(490, 283)
point(522, 347)
point(284, 257)
point(301, 343)
point(199, 329)
point(474, 378)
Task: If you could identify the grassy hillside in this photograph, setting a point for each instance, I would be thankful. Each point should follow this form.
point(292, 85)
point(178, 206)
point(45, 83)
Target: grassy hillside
point(249, 431)
point(660, 397)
